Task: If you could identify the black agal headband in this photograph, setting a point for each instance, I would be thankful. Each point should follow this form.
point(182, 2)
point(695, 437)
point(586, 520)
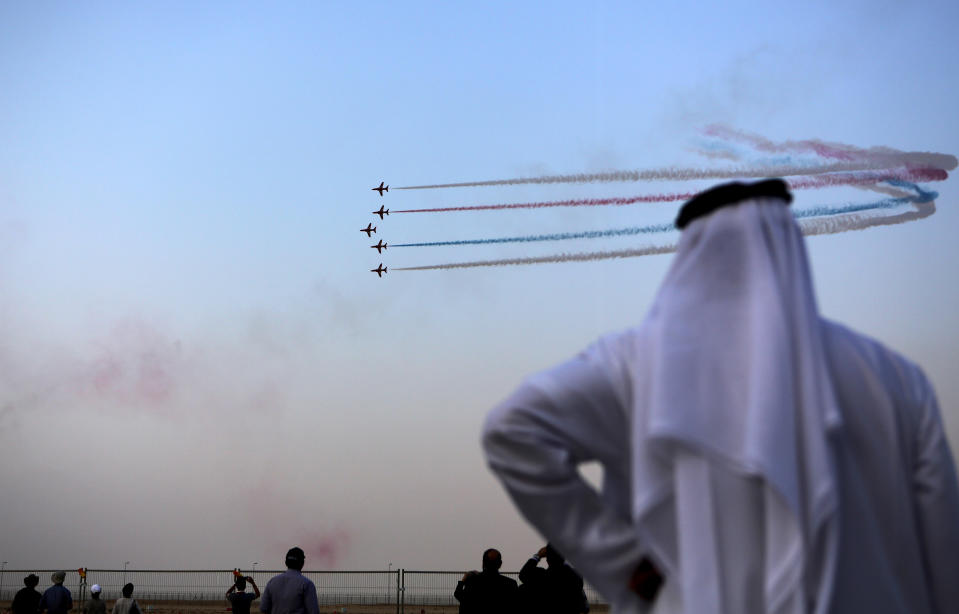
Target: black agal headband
point(706, 202)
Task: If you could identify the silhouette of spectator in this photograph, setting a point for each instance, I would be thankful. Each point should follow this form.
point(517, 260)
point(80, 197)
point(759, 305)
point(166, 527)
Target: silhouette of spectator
point(95, 605)
point(558, 589)
point(239, 599)
point(756, 457)
point(57, 598)
point(487, 592)
point(27, 599)
point(290, 592)
point(127, 604)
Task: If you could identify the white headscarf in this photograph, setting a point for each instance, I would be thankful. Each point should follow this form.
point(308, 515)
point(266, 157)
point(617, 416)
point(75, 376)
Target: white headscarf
point(733, 462)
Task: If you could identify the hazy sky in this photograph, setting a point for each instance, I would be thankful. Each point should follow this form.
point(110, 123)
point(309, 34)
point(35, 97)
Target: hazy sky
point(197, 368)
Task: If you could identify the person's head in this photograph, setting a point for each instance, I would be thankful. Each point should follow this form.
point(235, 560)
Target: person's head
point(95, 591)
point(553, 557)
point(295, 558)
point(58, 577)
point(729, 194)
point(240, 583)
point(31, 581)
point(492, 560)
point(128, 590)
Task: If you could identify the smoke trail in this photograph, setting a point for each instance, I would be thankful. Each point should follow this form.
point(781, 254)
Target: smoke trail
point(813, 221)
point(925, 206)
point(810, 212)
point(686, 174)
point(847, 157)
point(886, 156)
point(583, 202)
point(560, 236)
point(862, 178)
point(581, 257)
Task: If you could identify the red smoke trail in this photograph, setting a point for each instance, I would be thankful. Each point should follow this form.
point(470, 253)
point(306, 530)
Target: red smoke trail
point(136, 364)
point(280, 515)
point(821, 181)
point(326, 548)
point(585, 202)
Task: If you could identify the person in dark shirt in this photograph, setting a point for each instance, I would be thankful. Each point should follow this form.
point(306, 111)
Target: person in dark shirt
point(95, 605)
point(239, 599)
point(558, 589)
point(487, 592)
point(27, 598)
point(57, 598)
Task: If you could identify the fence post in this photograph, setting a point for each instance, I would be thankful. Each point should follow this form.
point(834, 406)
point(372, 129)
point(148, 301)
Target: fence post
point(397, 590)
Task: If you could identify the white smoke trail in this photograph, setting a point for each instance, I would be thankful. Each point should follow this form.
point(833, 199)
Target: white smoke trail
point(943, 162)
point(580, 257)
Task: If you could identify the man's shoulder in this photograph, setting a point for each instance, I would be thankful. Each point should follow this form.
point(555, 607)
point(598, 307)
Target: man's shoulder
point(301, 577)
point(294, 578)
point(849, 349)
point(488, 580)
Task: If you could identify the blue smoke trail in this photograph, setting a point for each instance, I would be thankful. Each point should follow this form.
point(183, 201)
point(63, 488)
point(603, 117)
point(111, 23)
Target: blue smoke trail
point(922, 196)
point(562, 236)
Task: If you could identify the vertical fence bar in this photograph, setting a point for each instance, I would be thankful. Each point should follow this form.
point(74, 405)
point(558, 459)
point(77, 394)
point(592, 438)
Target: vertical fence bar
point(398, 591)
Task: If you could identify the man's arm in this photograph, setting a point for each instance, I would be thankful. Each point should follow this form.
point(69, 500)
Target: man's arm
point(462, 591)
point(256, 589)
point(937, 502)
point(311, 601)
point(536, 439)
point(527, 573)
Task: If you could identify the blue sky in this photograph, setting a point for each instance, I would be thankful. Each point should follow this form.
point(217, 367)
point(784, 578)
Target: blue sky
point(190, 339)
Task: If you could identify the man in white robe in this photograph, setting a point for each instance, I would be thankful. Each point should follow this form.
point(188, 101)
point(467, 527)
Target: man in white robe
point(756, 457)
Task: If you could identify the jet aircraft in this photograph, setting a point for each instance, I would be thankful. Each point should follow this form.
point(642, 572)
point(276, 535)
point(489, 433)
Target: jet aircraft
point(382, 212)
point(380, 246)
point(369, 230)
point(379, 270)
point(381, 188)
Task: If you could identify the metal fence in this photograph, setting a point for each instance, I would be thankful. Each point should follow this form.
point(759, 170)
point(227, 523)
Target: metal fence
point(399, 587)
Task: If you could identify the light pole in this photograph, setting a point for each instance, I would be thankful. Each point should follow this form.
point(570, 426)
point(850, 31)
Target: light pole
point(389, 573)
point(2, 566)
point(253, 571)
point(125, 563)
